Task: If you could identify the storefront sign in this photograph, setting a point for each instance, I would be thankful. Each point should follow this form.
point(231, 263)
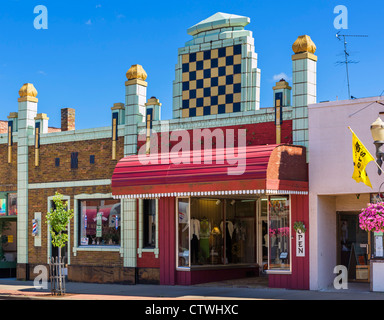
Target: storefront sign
point(99, 218)
point(300, 243)
point(379, 244)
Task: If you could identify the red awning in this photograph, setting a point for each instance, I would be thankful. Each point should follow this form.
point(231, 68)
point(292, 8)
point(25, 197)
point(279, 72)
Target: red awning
point(258, 169)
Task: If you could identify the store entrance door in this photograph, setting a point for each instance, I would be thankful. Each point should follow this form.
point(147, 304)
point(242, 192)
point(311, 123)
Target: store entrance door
point(353, 246)
point(262, 234)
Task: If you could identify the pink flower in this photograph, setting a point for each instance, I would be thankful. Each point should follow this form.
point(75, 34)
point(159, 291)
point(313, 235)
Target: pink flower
point(371, 218)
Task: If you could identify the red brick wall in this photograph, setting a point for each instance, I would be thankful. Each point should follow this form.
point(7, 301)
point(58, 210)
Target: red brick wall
point(256, 134)
point(8, 171)
point(101, 169)
point(37, 200)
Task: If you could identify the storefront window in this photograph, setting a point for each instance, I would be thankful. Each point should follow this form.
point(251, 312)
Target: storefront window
point(149, 227)
point(3, 205)
point(240, 236)
point(183, 232)
point(207, 235)
point(12, 204)
point(99, 222)
point(279, 234)
point(8, 204)
point(216, 232)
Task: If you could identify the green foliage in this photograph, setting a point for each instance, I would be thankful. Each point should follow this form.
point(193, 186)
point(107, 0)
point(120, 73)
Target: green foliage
point(58, 220)
point(299, 225)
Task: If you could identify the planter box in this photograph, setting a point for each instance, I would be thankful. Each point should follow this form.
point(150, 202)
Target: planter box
point(362, 272)
point(7, 264)
point(377, 275)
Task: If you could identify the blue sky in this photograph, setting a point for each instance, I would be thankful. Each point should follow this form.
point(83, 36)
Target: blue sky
point(80, 61)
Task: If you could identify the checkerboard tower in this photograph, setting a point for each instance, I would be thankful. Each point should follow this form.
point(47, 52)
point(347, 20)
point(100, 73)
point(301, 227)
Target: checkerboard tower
point(217, 70)
point(26, 124)
point(304, 86)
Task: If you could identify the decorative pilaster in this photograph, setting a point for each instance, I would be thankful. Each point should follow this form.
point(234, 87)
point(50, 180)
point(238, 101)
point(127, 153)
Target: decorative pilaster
point(118, 118)
point(282, 98)
point(304, 86)
point(26, 124)
point(152, 114)
point(12, 127)
point(41, 126)
point(135, 110)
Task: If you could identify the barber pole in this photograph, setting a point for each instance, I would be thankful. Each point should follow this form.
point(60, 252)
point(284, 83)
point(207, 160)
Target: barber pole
point(34, 227)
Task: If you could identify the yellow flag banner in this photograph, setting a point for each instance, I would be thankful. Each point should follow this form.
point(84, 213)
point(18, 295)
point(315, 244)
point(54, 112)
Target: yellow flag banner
point(361, 157)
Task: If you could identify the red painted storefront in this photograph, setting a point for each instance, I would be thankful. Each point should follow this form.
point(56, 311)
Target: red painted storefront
point(269, 169)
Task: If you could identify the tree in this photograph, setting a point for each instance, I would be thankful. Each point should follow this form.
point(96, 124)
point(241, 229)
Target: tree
point(58, 219)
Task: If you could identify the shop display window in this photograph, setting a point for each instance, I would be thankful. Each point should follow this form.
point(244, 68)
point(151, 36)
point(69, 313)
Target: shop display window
point(149, 223)
point(12, 204)
point(3, 205)
point(240, 232)
point(183, 232)
point(8, 204)
point(279, 233)
point(99, 222)
point(216, 232)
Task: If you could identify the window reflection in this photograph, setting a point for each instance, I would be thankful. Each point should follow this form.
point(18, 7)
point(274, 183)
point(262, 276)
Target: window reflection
point(216, 231)
point(279, 233)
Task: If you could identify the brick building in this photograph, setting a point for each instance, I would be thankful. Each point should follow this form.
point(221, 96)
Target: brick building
point(125, 227)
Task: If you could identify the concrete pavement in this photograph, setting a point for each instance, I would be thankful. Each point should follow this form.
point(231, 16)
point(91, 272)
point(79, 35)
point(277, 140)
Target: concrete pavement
point(13, 289)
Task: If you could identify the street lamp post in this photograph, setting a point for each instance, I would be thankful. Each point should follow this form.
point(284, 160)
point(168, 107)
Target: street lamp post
point(377, 254)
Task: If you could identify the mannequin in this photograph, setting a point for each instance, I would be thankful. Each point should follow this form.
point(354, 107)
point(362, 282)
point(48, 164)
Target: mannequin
point(204, 237)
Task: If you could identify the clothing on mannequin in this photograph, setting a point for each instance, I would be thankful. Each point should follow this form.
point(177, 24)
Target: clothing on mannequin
point(229, 226)
point(195, 228)
point(205, 232)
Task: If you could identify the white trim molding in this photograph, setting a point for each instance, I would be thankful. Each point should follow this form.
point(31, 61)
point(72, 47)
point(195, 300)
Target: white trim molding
point(69, 184)
point(76, 247)
point(207, 193)
point(140, 248)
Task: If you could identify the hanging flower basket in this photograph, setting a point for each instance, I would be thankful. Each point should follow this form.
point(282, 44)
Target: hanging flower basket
point(371, 218)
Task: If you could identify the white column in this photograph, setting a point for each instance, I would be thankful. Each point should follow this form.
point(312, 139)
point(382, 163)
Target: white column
point(135, 99)
point(129, 232)
point(26, 124)
point(135, 110)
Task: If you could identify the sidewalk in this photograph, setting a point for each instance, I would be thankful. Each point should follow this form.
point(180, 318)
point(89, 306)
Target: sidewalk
point(13, 289)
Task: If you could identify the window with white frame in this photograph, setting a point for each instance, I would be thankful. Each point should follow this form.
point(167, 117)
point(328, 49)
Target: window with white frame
point(279, 233)
point(99, 222)
point(149, 223)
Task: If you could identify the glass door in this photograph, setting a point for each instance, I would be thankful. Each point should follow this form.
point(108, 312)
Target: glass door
point(262, 233)
point(353, 246)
